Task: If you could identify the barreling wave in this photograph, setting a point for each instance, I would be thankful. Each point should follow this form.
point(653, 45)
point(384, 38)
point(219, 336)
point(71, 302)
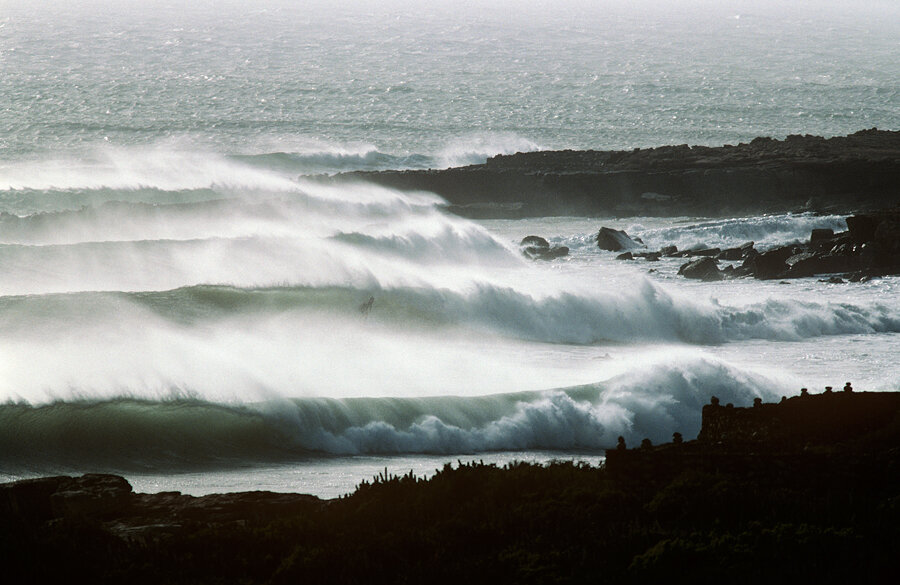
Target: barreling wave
point(183, 433)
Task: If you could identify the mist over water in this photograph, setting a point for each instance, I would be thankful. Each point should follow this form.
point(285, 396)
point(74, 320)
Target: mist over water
point(179, 293)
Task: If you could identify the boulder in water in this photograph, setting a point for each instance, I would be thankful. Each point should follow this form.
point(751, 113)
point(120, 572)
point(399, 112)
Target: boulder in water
point(704, 268)
point(537, 248)
point(615, 240)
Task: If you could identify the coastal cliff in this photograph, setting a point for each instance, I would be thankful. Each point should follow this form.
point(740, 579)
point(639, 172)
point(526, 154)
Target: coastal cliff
point(798, 492)
point(800, 173)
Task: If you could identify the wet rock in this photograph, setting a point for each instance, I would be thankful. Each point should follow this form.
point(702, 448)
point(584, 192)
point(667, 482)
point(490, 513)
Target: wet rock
point(701, 269)
point(625, 256)
point(712, 252)
point(821, 234)
point(862, 227)
point(739, 253)
point(555, 252)
point(615, 240)
point(668, 251)
point(538, 248)
point(730, 254)
point(771, 264)
point(534, 241)
point(812, 264)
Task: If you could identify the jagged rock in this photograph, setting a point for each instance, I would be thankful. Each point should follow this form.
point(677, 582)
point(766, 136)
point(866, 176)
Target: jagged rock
point(90, 495)
point(712, 252)
point(702, 269)
point(729, 254)
point(862, 227)
point(668, 251)
point(615, 240)
point(739, 253)
point(812, 264)
point(821, 234)
point(796, 258)
point(57, 497)
point(771, 264)
point(625, 256)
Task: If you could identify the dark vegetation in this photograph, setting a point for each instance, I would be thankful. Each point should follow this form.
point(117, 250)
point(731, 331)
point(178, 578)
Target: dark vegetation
point(764, 495)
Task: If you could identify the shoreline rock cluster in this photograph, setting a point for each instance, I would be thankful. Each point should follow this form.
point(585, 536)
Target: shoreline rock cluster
point(870, 247)
point(843, 174)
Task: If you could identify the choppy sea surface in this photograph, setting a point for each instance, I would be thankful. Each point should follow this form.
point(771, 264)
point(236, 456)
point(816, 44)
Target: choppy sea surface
point(181, 304)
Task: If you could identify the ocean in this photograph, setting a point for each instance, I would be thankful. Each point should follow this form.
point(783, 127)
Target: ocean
point(183, 304)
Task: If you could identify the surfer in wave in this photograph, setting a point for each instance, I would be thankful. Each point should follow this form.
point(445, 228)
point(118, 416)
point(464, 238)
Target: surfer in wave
point(367, 306)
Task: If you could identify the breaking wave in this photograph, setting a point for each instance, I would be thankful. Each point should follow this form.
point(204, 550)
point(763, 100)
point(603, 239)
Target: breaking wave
point(184, 432)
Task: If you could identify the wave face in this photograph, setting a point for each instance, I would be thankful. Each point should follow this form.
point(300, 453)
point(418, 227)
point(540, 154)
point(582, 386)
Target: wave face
point(189, 433)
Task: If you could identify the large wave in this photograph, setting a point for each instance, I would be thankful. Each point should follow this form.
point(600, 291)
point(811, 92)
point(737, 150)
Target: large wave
point(185, 432)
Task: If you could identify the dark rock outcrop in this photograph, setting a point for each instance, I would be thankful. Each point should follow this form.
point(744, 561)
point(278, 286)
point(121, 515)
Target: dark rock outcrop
point(771, 264)
point(870, 247)
point(615, 240)
point(704, 268)
point(800, 173)
point(537, 248)
point(140, 518)
point(828, 418)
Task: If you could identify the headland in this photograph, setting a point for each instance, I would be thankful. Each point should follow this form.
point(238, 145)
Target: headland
point(843, 175)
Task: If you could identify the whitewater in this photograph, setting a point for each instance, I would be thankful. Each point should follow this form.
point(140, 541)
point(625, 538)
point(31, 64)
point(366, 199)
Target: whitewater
point(183, 300)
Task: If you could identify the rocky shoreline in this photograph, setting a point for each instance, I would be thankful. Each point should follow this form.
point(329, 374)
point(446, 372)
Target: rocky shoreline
point(806, 490)
point(869, 248)
point(846, 174)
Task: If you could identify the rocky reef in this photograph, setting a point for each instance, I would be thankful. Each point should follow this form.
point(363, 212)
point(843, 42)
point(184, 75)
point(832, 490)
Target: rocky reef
point(870, 247)
point(804, 491)
point(844, 174)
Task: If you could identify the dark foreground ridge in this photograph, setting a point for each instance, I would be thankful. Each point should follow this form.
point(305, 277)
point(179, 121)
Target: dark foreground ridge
point(805, 491)
point(844, 174)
